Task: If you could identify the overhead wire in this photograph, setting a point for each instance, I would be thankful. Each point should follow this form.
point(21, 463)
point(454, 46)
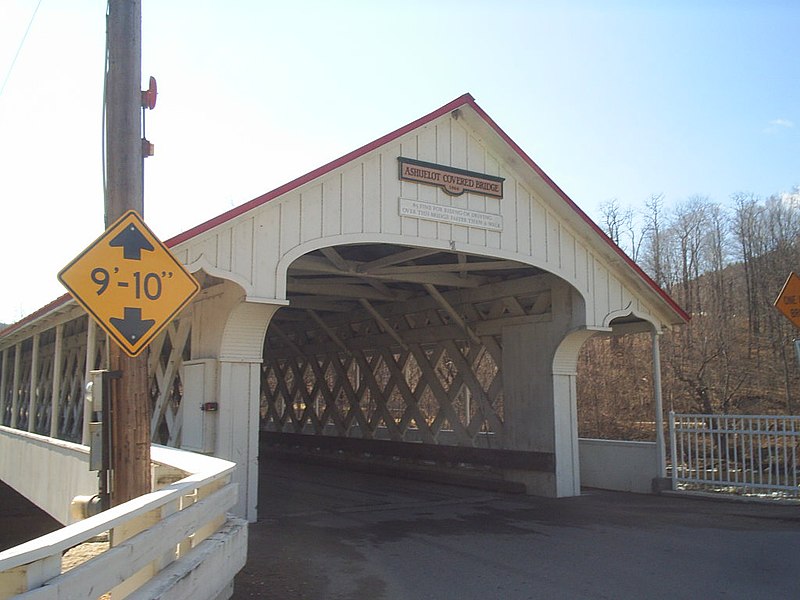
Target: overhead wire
point(19, 48)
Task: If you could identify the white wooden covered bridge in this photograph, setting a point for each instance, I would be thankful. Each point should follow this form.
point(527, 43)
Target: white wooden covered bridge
point(427, 293)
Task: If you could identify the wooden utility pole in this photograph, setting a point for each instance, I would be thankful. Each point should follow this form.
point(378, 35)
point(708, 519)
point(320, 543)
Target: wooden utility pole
point(130, 409)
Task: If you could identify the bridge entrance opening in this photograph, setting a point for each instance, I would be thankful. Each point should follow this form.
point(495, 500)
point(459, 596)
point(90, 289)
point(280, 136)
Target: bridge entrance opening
point(396, 353)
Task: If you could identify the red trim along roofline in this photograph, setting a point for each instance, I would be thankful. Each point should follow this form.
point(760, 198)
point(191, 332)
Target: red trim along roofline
point(40, 312)
point(339, 162)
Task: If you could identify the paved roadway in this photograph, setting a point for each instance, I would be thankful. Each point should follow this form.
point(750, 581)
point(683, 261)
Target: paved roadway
point(329, 534)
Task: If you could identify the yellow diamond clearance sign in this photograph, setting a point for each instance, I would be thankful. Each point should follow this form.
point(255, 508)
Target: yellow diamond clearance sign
point(130, 283)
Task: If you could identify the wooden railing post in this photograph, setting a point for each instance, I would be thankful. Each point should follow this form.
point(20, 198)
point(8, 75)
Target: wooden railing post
point(55, 400)
point(27, 577)
point(15, 391)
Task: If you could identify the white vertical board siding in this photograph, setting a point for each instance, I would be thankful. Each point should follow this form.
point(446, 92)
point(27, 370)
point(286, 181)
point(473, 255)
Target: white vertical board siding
point(359, 202)
point(600, 296)
point(206, 248)
point(408, 225)
point(567, 251)
point(538, 221)
point(373, 201)
point(311, 214)
point(426, 150)
point(266, 252)
point(242, 251)
point(331, 206)
point(352, 197)
point(552, 242)
point(391, 189)
point(225, 249)
point(582, 276)
point(290, 214)
point(476, 161)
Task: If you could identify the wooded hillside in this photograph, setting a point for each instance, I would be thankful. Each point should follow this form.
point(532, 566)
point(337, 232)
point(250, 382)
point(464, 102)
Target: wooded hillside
point(725, 267)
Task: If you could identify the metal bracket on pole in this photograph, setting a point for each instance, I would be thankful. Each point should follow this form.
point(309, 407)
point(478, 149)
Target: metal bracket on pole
point(98, 401)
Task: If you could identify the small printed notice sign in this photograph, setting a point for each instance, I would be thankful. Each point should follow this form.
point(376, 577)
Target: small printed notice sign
point(450, 214)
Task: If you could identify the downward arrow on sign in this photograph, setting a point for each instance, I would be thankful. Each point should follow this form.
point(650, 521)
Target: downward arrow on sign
point(132, 327)
point(132, 241)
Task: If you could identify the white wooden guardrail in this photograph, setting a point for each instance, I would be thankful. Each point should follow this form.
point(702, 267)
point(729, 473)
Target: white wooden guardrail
point(176, 542)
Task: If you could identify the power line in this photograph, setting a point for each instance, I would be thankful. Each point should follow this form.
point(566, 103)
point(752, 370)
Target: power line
point(19, 49)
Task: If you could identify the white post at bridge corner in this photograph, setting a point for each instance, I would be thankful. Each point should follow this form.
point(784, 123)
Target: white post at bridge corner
point(659, 410)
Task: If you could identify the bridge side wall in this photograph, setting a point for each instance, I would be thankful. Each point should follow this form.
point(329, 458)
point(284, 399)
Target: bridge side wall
point(619, 465)
point(47, 471)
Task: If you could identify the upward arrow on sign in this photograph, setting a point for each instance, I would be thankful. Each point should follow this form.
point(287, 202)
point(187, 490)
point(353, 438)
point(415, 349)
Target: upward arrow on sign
point(132, 241)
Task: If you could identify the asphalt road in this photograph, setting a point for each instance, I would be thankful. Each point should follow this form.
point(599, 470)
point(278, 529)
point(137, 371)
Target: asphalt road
point(331, 534)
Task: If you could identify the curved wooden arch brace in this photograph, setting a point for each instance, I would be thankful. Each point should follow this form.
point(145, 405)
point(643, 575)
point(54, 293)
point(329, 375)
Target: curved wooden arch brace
point(201, 263)
point(565, 360)
point(243, 335)
point(645, 319)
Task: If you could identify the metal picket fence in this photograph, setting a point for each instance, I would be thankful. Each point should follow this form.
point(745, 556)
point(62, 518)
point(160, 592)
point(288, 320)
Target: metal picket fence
point(740, 454)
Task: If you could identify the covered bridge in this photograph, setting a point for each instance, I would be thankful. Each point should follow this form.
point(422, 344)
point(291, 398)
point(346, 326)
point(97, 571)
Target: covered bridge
point(430, 290)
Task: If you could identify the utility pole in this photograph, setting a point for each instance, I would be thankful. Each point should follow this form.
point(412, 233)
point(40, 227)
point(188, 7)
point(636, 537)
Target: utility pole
point(130, 409)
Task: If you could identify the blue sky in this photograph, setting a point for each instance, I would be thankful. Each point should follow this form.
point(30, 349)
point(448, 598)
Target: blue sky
point(612, 99)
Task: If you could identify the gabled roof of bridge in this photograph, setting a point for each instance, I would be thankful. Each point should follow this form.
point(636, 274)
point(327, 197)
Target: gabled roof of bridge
point(459, 103)
point(462, 102)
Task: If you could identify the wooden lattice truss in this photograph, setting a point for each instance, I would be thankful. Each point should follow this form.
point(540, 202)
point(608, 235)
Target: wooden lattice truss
point(395, 343)
point(164, 363)
point(42, 379)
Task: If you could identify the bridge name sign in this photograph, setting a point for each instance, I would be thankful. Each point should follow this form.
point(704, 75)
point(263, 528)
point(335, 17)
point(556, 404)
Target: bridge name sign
point(130, 282)
point(453, 181)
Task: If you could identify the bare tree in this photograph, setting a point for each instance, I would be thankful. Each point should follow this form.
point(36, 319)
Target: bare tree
point(746, 227)
point(620, 225)
point(725, 266)
point(653, 235)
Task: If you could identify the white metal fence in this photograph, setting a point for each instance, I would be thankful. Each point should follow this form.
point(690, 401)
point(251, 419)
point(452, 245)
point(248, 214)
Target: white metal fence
point(743, 454)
